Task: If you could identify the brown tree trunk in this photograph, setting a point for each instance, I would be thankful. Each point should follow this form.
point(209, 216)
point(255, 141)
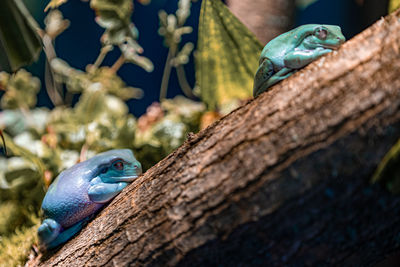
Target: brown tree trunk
point(265, 18)
point(282, 180)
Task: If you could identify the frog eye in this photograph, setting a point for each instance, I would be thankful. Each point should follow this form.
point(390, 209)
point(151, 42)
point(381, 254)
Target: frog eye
point(321, 33)
point(119, 165)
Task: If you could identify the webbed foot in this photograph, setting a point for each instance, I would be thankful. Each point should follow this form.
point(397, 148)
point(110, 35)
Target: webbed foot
point(277, 77)
point(48, 231)
point(52, 235)
point(103, 192)
point(264, 72)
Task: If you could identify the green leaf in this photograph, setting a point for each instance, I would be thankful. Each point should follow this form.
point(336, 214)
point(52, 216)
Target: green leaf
point(388, 171)
point(19, 42)
point(393, 5)
point(227, 57)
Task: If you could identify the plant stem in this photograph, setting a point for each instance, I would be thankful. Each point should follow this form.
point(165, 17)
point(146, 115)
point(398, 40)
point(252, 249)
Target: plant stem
point(187, 90)
point(68, 99)
point(103, 52)
point(117, 65)
point(167, 73)
point(53, 88)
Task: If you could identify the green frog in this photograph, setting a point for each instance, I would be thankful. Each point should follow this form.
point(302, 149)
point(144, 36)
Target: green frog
point(292, 50)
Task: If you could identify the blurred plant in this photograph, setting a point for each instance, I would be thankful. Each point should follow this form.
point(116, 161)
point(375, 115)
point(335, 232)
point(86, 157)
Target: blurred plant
point(20, 90)
point(20, 93)
point(77, 81)
point(21, 183)
point(54, 4)
point(55, 24)
point(16, 248)
point(114, 16)
point(388, 171)
point(172, 28)
point(164, 128)
point(393, 5)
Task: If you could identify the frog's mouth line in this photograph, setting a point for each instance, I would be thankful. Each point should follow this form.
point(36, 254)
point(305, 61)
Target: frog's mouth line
point(125, 178)
point(333, 47)
point(326, 46)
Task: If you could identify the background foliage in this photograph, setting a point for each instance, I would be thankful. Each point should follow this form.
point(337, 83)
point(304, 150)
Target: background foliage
point(91, 106)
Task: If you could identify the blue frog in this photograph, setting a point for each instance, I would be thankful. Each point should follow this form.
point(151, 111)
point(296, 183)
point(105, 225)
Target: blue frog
point(80, 191)
point(290, 51)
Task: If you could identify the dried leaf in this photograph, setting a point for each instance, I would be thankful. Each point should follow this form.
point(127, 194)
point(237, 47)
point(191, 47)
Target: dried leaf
point(20, 44)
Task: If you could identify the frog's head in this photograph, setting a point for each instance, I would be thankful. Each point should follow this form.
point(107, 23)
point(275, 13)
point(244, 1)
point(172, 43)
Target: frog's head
point(324, 36)
point(118, 165)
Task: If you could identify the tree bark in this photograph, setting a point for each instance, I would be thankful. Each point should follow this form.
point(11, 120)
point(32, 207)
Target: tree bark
point(282, 180)
point(265, 18)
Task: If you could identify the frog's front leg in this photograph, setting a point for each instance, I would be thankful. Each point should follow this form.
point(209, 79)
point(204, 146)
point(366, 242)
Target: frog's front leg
point(66, 235)
point(48, 231)
point(264, 72)
point(100, 192)
point(51, 233)
point(277, 77)
point(300, 58)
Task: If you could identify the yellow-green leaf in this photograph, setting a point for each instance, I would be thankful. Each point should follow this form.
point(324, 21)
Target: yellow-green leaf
point(227, 57)
point(54, 4)
point(393, 5)
point(388, 171)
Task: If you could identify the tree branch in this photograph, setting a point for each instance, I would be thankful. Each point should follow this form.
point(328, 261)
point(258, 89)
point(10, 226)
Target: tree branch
point(283, 179)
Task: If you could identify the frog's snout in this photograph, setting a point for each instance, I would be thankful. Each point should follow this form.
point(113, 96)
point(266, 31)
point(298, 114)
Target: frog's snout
point(137, 167)
point(338, 41)
point(341, 40)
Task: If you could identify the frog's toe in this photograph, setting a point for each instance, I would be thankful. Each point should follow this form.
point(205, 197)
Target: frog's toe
point(67, 234)
point(48, 231)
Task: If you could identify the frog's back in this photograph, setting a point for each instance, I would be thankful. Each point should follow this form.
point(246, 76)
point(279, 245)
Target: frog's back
point(67, 201)
point(276, 49)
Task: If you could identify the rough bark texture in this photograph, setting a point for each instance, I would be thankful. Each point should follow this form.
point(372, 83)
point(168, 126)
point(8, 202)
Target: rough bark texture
point(265, 18)
point(283, 180)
